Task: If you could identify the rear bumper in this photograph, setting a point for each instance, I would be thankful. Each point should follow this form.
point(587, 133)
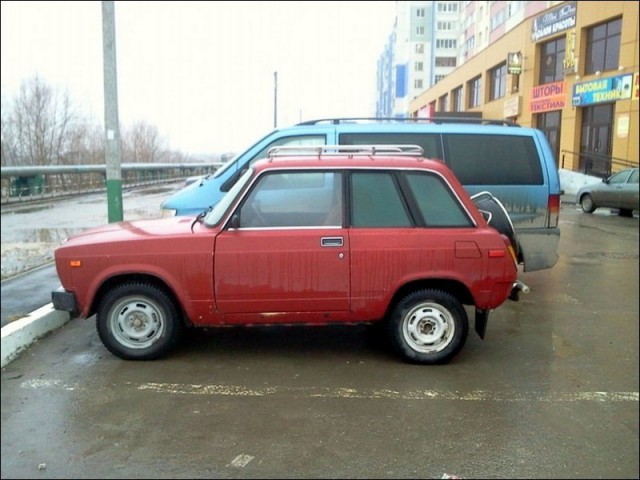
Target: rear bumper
point(63, 300)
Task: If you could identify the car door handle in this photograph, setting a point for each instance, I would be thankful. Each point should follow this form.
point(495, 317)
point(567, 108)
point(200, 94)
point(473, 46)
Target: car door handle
point(332, 241)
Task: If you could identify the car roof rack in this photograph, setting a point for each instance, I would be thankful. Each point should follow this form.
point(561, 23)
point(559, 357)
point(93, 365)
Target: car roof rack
point(346, 150)
point(436, 120)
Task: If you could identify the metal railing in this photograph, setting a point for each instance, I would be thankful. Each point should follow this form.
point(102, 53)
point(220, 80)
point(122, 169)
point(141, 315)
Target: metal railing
point(595, 164)
point(31, 183)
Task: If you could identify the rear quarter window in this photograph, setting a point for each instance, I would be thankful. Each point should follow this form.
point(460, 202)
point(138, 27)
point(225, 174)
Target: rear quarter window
point(493, 159)
point(436, 202)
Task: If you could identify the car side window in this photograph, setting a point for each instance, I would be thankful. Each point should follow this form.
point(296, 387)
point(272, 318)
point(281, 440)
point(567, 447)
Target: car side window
point(293, 199)
point(620, 177)
point(437, 203)
point(634, 177)
point(376, 201)
point(430, 142)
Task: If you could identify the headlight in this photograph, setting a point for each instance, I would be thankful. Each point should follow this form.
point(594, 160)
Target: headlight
point(168, 212)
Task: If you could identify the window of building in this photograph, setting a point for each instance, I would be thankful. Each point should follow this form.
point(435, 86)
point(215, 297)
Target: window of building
point(498, 81)
point(417, 83)
point(444, 103)
point(420, 30)
point(497, 20)
point(420, 12)
point(447, 7)
point(551, 58)
point(458, 101)
point(475, 91)
point(446, 43)
point(419, 66)
point(446, 61)
point(419, 47)
point(438, 78)
point(445, 25)
point(603, 46)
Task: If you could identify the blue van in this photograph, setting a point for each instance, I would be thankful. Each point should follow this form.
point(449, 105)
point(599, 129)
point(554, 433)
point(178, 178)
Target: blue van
point(515, 164)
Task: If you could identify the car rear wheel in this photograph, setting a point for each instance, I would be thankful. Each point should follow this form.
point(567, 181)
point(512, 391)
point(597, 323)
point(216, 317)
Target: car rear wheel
point(428, 327)
point(138, 321)
point(586, 202)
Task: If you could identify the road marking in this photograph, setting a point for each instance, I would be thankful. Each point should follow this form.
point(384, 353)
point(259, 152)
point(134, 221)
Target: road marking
point(368, 394)
point(240, 461)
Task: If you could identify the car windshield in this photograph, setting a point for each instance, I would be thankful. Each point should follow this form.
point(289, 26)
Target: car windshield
point(215, 215)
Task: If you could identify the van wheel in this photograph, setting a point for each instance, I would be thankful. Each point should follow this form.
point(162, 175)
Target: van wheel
point(138, 321)
point(428, 327)
point(586, 202)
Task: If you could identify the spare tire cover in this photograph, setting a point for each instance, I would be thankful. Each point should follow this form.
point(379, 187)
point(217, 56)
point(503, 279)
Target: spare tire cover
point(496, 216)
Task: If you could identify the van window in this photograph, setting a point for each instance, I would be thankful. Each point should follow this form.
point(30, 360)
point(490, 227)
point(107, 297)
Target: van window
point(293, 141)
point(493, 159)
point(430, 143)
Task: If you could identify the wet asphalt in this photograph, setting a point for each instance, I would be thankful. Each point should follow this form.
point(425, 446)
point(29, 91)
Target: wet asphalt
point(552, 392)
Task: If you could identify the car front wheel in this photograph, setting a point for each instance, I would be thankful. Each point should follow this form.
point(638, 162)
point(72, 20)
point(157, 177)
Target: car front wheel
point(138, 321)
point(586, 202)
point(428, 327)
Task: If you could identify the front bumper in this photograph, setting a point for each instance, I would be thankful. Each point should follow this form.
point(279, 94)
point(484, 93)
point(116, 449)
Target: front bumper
point(63, 300)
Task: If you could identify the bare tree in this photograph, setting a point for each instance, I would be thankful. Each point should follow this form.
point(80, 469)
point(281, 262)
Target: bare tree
point(39, 123)
point(142, 144)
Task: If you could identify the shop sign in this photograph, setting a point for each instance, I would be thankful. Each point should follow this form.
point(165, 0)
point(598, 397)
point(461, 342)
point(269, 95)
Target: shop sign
point(511, 107)
point(554, 21)
point(514, 63)
point(569, 63)
point(547, 97)
point(602, 90)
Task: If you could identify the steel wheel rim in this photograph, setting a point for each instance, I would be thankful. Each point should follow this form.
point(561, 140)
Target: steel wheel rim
point(428, 328)
point(136, 323)
point(587, 203)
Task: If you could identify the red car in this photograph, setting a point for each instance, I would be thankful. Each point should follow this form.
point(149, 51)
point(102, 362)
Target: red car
point(319, 235)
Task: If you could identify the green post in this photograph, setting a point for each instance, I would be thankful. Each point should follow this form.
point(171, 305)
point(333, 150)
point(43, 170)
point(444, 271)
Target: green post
point(111, 121)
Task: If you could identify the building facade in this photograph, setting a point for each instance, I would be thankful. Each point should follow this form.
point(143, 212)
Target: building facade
point(421, 50)
point(570, 70)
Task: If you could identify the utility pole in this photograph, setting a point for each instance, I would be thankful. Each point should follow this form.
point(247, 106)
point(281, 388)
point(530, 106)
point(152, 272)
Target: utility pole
point(111, 122)
point(275, 99)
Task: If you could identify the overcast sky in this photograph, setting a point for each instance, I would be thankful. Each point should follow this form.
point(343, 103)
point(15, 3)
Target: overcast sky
point(203, 72)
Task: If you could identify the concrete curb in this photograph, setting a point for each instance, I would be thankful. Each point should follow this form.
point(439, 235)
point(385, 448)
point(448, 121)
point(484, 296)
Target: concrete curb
point(17, 336)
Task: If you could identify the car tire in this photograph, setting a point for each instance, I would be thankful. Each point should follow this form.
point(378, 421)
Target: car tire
point(138, 321)
point(625, 212)
point(428, 327)
point(587, 204)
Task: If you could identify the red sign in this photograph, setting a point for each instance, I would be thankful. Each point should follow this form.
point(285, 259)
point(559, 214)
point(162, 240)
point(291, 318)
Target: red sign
point(547, 97)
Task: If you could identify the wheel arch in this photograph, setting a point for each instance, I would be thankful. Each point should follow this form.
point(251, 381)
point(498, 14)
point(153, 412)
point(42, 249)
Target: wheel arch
point(116, 280)
point(453, 287)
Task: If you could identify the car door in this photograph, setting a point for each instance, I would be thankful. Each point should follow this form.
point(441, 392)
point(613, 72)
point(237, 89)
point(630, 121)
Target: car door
point(629, 195)
point(609, 194)
point(281, 259)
